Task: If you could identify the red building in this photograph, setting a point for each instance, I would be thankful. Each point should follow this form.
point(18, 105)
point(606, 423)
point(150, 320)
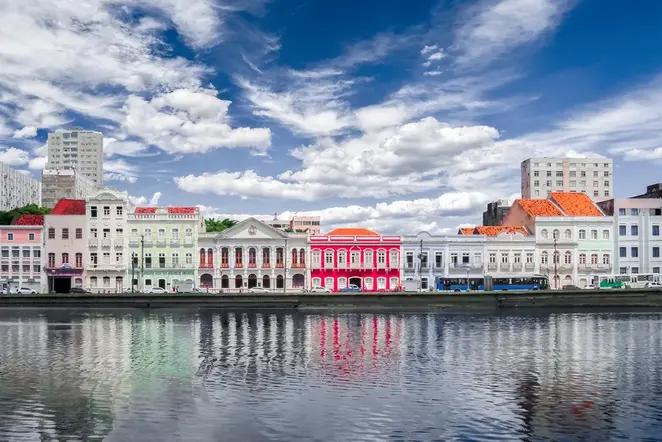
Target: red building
point(355, 256)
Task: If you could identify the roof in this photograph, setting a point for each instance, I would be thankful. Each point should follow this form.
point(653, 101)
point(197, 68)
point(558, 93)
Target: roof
point(576, 204)
point(539, 207)
point(493, 230)
point(182, 210)
point(145, 210)
point(69, 207)
point(352, 231)
point(28, 220)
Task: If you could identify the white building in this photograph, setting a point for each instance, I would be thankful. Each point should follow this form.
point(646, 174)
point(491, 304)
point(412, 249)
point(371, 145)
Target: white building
point(64, 184)
point(17, 189)
point(500, 252)
point(77, 149)
point(592, 176)
point(107, 259)
point(297, 224)
point(253, 254)
point(638, 241)
point(574, 238)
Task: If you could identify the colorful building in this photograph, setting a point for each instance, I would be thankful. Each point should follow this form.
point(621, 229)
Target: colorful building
point(65, 245)
point(21, 257)
point(162, 244)
point(253, 254)
point(356, 256)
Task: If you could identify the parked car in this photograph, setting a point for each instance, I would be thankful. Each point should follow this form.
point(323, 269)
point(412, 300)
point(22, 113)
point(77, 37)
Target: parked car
point(26, 291)
point(653, 285)
point(258, 290)
point(319, 289)
point(156, 290)
point(351, 288)
point(570, 287)
point(78, 290)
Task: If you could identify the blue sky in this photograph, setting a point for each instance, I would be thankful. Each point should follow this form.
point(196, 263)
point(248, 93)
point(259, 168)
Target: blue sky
point(401, 116)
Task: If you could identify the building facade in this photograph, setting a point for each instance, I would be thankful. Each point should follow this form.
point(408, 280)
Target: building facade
point(64, 183)
point(574, 238)
point(162, 244)
point(107, 259)
point(495, 212)
point(17, 189)
point(355, 256)
point(78, 149)
point(65, 230)
point(253, 254)
point(297, 224)
point(21, 257)
point(637, 239)
point(592, 176)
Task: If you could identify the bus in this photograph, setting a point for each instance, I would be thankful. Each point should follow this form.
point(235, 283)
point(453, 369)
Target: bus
point(631, 281)
point(487, 283)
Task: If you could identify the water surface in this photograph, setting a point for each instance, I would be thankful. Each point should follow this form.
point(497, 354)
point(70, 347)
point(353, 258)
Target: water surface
point(214, 375)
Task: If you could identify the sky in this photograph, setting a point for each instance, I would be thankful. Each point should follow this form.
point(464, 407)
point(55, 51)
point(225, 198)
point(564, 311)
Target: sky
point(399, 116)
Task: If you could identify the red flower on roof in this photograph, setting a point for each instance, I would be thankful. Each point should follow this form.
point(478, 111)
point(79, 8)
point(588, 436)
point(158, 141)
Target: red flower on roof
point(576, 204)
point(145, 210)
point(352, 231)
point(182, 210)
point(69, 207)
point(28, 220)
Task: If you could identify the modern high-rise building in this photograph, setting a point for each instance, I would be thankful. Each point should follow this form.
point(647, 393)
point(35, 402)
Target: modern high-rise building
point(77, 149)
point(592, 176)
point(17, 189)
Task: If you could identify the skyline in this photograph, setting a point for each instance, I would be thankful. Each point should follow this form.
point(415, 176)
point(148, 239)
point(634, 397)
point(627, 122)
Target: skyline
point(250, 107)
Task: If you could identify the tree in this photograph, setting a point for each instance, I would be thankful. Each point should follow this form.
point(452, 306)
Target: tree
point(30, 209)
point(218, 225)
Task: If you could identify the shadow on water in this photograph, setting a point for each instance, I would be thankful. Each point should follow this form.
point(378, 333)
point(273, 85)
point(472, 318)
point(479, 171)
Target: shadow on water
point(208, 374)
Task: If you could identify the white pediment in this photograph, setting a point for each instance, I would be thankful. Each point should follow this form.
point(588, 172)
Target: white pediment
point(252, 228)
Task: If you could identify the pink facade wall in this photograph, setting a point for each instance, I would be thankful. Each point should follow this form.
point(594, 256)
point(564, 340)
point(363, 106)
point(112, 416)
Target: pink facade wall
point(360, 244)
point(21, 235)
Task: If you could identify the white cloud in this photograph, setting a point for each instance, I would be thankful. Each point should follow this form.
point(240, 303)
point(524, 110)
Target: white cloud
point(144, 201)
point(13, 156)
point(120, 170)
point(112, 146)
point(428, 48)
point(493, 28)
point(189, 121)
point(38, 163)
point(25, 132)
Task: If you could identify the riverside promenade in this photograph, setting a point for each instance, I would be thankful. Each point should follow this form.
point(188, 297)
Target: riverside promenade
point(630, 298)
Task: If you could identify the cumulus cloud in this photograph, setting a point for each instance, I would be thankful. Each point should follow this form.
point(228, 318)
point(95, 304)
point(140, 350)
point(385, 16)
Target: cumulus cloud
point(25, 132)
point(189, 121)
point(142, 200)
point(120, 170)
point(13, 156)
point(38, 163)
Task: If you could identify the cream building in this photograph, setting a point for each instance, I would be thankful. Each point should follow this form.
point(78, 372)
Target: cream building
point(107, 259)
point(253, 254)
point(77, 149)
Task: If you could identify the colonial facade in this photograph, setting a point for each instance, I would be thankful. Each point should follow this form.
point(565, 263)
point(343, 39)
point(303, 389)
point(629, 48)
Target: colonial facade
point(107, 260)
point(437, 261)
point(21, 257)
point(252, 254)
point(355, 256)
point(66, 245)
point(574, 238)
point(162, 244)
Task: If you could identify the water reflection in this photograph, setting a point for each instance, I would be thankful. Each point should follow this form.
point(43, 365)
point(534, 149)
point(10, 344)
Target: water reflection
point(201, 375)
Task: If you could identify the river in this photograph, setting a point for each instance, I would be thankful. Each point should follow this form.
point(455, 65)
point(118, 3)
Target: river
point(207, 374)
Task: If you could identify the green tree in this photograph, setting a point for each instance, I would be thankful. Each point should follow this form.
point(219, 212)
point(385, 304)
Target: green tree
point(218, 225)
point(30, 209)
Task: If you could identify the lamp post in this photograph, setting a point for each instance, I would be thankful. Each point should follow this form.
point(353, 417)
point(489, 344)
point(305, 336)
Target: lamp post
point(420, 267)
point(142, 262)
point(133, 268)
point(555, 259)
point(285, 267)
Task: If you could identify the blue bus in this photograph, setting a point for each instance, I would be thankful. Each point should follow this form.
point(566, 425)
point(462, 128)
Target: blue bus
point(487, 283)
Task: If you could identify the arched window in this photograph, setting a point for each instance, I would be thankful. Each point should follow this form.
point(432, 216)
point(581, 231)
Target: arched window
point(266, 257)
point(225, 282)
point(238, 257)
point(594, 258)
point(367, 283)
point(582, 258)
point(605, 259)
point(252, 257)
point(302, 257)
point(202, 258)
point(316, 282)
point(266, 282)
point(238, 282)
point(568, 234)
point(368, 261)
point(544, 258)
point(279, 282)
point(342, 259)
point(544, 234)
point(381, 258)
point(294, 257)
point(567, 258)
point(210, 258)
point(582, 234)
point(557, 256)
point(328, 259)
point(224, 257)
point(279, 257)
point(555, 234)
point(394, 259)
point(317, 259)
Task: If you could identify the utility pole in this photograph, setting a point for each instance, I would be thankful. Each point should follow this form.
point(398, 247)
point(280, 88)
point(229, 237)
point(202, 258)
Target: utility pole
point(420, 268)
point(285, 267)
point(142, 261)
point(555, 259)
point(133, 269)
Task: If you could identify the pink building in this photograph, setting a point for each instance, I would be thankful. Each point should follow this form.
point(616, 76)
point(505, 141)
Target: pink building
point(356, 256)
point(21, 253)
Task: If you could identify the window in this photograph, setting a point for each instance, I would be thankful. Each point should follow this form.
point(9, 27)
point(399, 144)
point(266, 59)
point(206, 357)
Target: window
point(93, 281)
point(118, 257)
point(529, 258)
point(635, 270)
point(148, 260)
point(634, 252)
point(10, 236)
point(555, 234)
point(79, 260)
point(317, 260)
point(605, 234)
point(582, 234)
point(656, 252)
point(544, 234)
point(26, 253)
point(106, 233)
point(162, 261)
point(381, 259)
point(536, 183)
point(381, 283)
point(606, 183)
point(438, 259)
point(65, 258)
point(394, 260)
point(328, 259)
point(536, 173)
point(582, 258)
point(567, 258)
point(556, 257)
point(65, 233)
point(596, 193)
point(568, 234)
point(328, 283)
point(634, 230)
point(93, 211)
point(656, 230)
point(621, 211)
point(622, 270)
point(342, 283)
point(367, 283)
point(573, 173)
point(544, 258)
point(79, 233)
point(189, 258)
point(622, 230)
point(605, 259)
point(606, 193)
point(51, 260)
point(623, 252)
point(106, 210)
point(342, 258)
point(549, 173)
point(368, 260)
point(175, 260)
point(559, 183)
point(175, 234)
point(594, 234)
point(465, 258)
point(634, 212)
point(656, 270)
point(119, 210)
point(594, 258)
point(559, 173)
point(30, 236)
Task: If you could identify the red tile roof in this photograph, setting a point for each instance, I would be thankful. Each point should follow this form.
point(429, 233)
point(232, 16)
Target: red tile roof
point(466, 231)
point(538, 207)
point(493, 230)
point(352, 231)
point(69, 207)
point(28, 220)
point(182, 210)
point(576, 204)
point(145, 210)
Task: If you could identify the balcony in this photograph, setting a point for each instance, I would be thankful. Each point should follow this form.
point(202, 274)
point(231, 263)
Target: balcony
point(148, 242)
point(93, 242)
point(517, 267)
point(188, 240)
point(134, 242)
point(105, 243)
point(161, 242)
point(504, 267)
point(175, 243)
point(529, 266)
point(492, 266)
